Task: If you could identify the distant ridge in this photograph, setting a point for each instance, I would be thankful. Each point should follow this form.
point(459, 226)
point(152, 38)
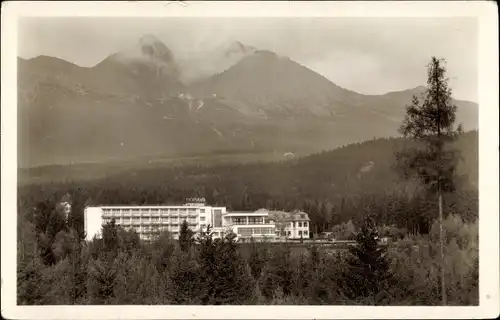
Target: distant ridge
point(136, 102)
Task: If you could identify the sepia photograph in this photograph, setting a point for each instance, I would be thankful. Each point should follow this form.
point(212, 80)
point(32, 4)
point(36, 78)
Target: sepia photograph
point(249, 160)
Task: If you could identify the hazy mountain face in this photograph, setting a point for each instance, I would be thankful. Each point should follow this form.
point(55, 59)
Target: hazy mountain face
point(149, 55)
point(204, 64)
point(276, 85)
point(145, 100)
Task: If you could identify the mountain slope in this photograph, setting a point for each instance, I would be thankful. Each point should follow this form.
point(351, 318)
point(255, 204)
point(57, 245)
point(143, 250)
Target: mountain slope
point(276, 85)
point(134, 103)
point(201, 65)
point(392, 105)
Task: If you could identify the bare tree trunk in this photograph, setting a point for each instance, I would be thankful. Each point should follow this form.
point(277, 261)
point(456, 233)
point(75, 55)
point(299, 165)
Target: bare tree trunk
point(441, 247)
point(74, 277)
point(440, 197)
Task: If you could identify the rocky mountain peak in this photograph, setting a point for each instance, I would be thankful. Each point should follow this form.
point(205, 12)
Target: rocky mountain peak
point(152, 47)
point(238, 48)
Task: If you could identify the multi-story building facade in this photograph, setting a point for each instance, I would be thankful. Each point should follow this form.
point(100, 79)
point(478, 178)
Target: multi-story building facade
point(291, 225)
point(247, 225)
point(150, 220)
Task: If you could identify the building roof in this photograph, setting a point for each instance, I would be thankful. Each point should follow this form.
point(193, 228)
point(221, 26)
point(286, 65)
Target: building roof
point(259, 213)
point(247, 213)
point(160, 206)
point(289, 216)
point(300, 216)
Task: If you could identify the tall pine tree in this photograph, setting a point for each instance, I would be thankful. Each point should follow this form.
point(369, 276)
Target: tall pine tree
point(431, 122)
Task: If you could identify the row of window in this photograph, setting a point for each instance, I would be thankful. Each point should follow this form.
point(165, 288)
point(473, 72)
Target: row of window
point(152, 229)
point(299, 224)
point(154, 209)
point(150, 226)
point(239, 221)
point(151, 210)
point(251, 220)
point(251, 231)
point(259, 220)
point(118, 221)
point(255, 220)
point(147, 235)
point(152, 219)
point(112, 212)
point(139, 223)
point(289, 233)
point(174, 232)
point(148, 214)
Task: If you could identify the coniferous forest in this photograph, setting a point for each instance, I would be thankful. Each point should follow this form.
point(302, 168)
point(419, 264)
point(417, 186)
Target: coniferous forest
point(56, 265)
point(361, 192)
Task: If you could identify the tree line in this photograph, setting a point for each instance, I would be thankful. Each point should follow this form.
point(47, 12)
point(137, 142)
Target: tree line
point(325, 186)
point(119, 268)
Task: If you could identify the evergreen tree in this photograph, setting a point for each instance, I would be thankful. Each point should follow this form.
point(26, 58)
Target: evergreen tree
point(26, 244)
point(318, 285)
point(76, 216)
point(225, 279)
point(207, 259)
point(315, 257)
point(235, 285)
point(431, 123)
point(257, 260)
point(56, 223)
point(102, 281)
point(186, 285)
point(48, 221)
point(102, 271)
point(78, 268)
point(163, 250)
point(57, 284)
point(368, 272)
point(185, 237)
point(44, 244)
point(29, 283)
point(128, 241)
point(137, 281)
point(278, 273)
point(42, 215)
point(110, 238)
point(302, 275)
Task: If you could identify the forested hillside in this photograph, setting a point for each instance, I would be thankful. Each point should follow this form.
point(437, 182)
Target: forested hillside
point(338, 189)
point(331, 186)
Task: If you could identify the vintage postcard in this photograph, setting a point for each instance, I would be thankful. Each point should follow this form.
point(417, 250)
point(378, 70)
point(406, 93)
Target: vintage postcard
point(249, 160)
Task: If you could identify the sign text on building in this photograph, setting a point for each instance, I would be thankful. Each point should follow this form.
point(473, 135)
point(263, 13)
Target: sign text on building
point(196, 200)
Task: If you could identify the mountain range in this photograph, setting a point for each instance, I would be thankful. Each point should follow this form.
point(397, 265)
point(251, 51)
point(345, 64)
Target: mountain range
point(145, 101)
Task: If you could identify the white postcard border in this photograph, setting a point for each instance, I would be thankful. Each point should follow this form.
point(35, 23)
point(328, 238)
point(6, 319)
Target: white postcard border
point(485, 12)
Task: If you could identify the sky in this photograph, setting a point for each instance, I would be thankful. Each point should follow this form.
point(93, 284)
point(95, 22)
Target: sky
point(366, 55)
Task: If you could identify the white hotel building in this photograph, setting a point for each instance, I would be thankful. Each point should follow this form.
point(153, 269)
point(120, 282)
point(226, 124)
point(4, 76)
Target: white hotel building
point(149, 220)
